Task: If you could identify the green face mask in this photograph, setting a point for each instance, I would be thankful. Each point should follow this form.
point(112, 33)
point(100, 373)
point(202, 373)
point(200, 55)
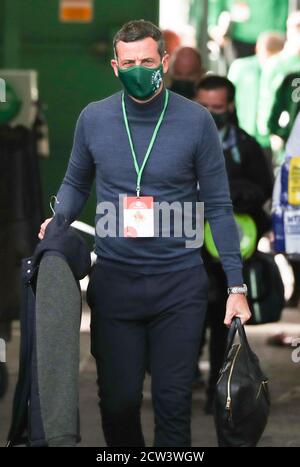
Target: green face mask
point(141, 82)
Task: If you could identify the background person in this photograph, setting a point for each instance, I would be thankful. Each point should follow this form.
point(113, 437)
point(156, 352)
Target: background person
point(185, 71)
point(250, 181)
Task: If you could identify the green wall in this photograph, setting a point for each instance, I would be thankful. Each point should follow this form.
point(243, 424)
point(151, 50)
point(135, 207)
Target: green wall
point(73, 65)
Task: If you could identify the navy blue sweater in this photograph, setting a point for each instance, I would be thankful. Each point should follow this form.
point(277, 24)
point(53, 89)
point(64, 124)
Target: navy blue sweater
point(187, 151)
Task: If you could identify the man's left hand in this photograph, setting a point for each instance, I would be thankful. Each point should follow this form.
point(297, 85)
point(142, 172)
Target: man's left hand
point(237, 305)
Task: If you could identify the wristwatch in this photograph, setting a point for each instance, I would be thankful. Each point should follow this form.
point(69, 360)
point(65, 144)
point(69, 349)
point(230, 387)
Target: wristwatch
point(238, 289)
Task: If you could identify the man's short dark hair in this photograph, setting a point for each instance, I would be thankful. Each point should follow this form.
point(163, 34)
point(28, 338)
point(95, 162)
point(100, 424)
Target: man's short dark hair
point(137, 30)
point(212, 82)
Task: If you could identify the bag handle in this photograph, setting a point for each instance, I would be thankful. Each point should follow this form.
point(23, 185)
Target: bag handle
point(236, 325)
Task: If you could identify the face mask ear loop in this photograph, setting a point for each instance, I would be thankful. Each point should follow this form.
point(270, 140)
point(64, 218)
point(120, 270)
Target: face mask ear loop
point(51, 201)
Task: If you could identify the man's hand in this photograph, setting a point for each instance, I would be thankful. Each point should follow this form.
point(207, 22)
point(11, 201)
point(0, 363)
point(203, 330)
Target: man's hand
point(237, 305)
point(43, 228)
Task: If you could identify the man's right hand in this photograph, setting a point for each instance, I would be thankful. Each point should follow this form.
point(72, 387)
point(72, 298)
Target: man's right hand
point(43, 228)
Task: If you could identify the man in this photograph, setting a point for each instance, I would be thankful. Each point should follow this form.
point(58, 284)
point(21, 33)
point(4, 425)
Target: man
point(149, 292)
point(186, 69)
point(245, 74)
point(250, 181)
point(276, 69)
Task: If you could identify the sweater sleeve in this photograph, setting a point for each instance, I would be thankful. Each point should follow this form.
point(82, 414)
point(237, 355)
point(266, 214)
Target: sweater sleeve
point(214, 192)
point(77, 183)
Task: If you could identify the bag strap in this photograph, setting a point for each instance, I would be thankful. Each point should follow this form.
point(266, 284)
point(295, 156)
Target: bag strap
point(230, 337)
point(236, 326)
point(242, 335)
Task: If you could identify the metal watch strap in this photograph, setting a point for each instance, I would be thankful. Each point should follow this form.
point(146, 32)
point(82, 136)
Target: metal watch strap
point(242, 289)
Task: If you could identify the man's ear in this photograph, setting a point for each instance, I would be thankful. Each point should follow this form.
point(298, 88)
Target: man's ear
point(165, 62)
point(114, 65)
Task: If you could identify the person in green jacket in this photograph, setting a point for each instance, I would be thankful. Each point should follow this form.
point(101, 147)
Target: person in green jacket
point(274, 72)
point(243, 20)
point(286, 107)
point(245, 74)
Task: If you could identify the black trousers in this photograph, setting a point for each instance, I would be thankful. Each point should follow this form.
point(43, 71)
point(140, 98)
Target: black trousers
point(135, 314)
point(216, 308)
point(217, 342)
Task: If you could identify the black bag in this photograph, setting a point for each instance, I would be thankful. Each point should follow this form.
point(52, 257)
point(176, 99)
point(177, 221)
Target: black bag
point(242, 400)
point(265, 288)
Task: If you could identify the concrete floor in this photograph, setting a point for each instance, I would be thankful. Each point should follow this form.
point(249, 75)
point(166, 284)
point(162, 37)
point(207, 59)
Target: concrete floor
point(284, 424)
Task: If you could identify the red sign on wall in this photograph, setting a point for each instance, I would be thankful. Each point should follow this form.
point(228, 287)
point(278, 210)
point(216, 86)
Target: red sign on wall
point(76, 11)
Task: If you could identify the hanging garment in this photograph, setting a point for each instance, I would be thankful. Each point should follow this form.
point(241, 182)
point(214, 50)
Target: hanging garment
point(45, 409)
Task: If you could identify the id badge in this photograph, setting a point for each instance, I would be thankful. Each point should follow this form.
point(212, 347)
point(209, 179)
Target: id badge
point(138, 215)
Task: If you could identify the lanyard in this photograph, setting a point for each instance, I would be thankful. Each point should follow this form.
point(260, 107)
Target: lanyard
point(139, 170)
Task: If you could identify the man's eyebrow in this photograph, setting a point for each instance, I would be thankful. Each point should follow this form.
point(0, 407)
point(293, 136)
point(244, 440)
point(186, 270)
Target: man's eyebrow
point(133, 60)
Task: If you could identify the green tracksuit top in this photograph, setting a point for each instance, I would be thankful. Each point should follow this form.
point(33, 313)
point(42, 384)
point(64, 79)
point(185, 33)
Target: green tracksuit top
point(250, 17)
point(245, 75)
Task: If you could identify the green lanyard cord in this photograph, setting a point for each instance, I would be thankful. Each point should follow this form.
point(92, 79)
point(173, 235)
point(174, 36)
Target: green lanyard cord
point(139, 170)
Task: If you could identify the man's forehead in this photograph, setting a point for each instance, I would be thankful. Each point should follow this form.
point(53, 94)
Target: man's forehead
point(142, 48)
point(213, 95)
point(214, 92)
